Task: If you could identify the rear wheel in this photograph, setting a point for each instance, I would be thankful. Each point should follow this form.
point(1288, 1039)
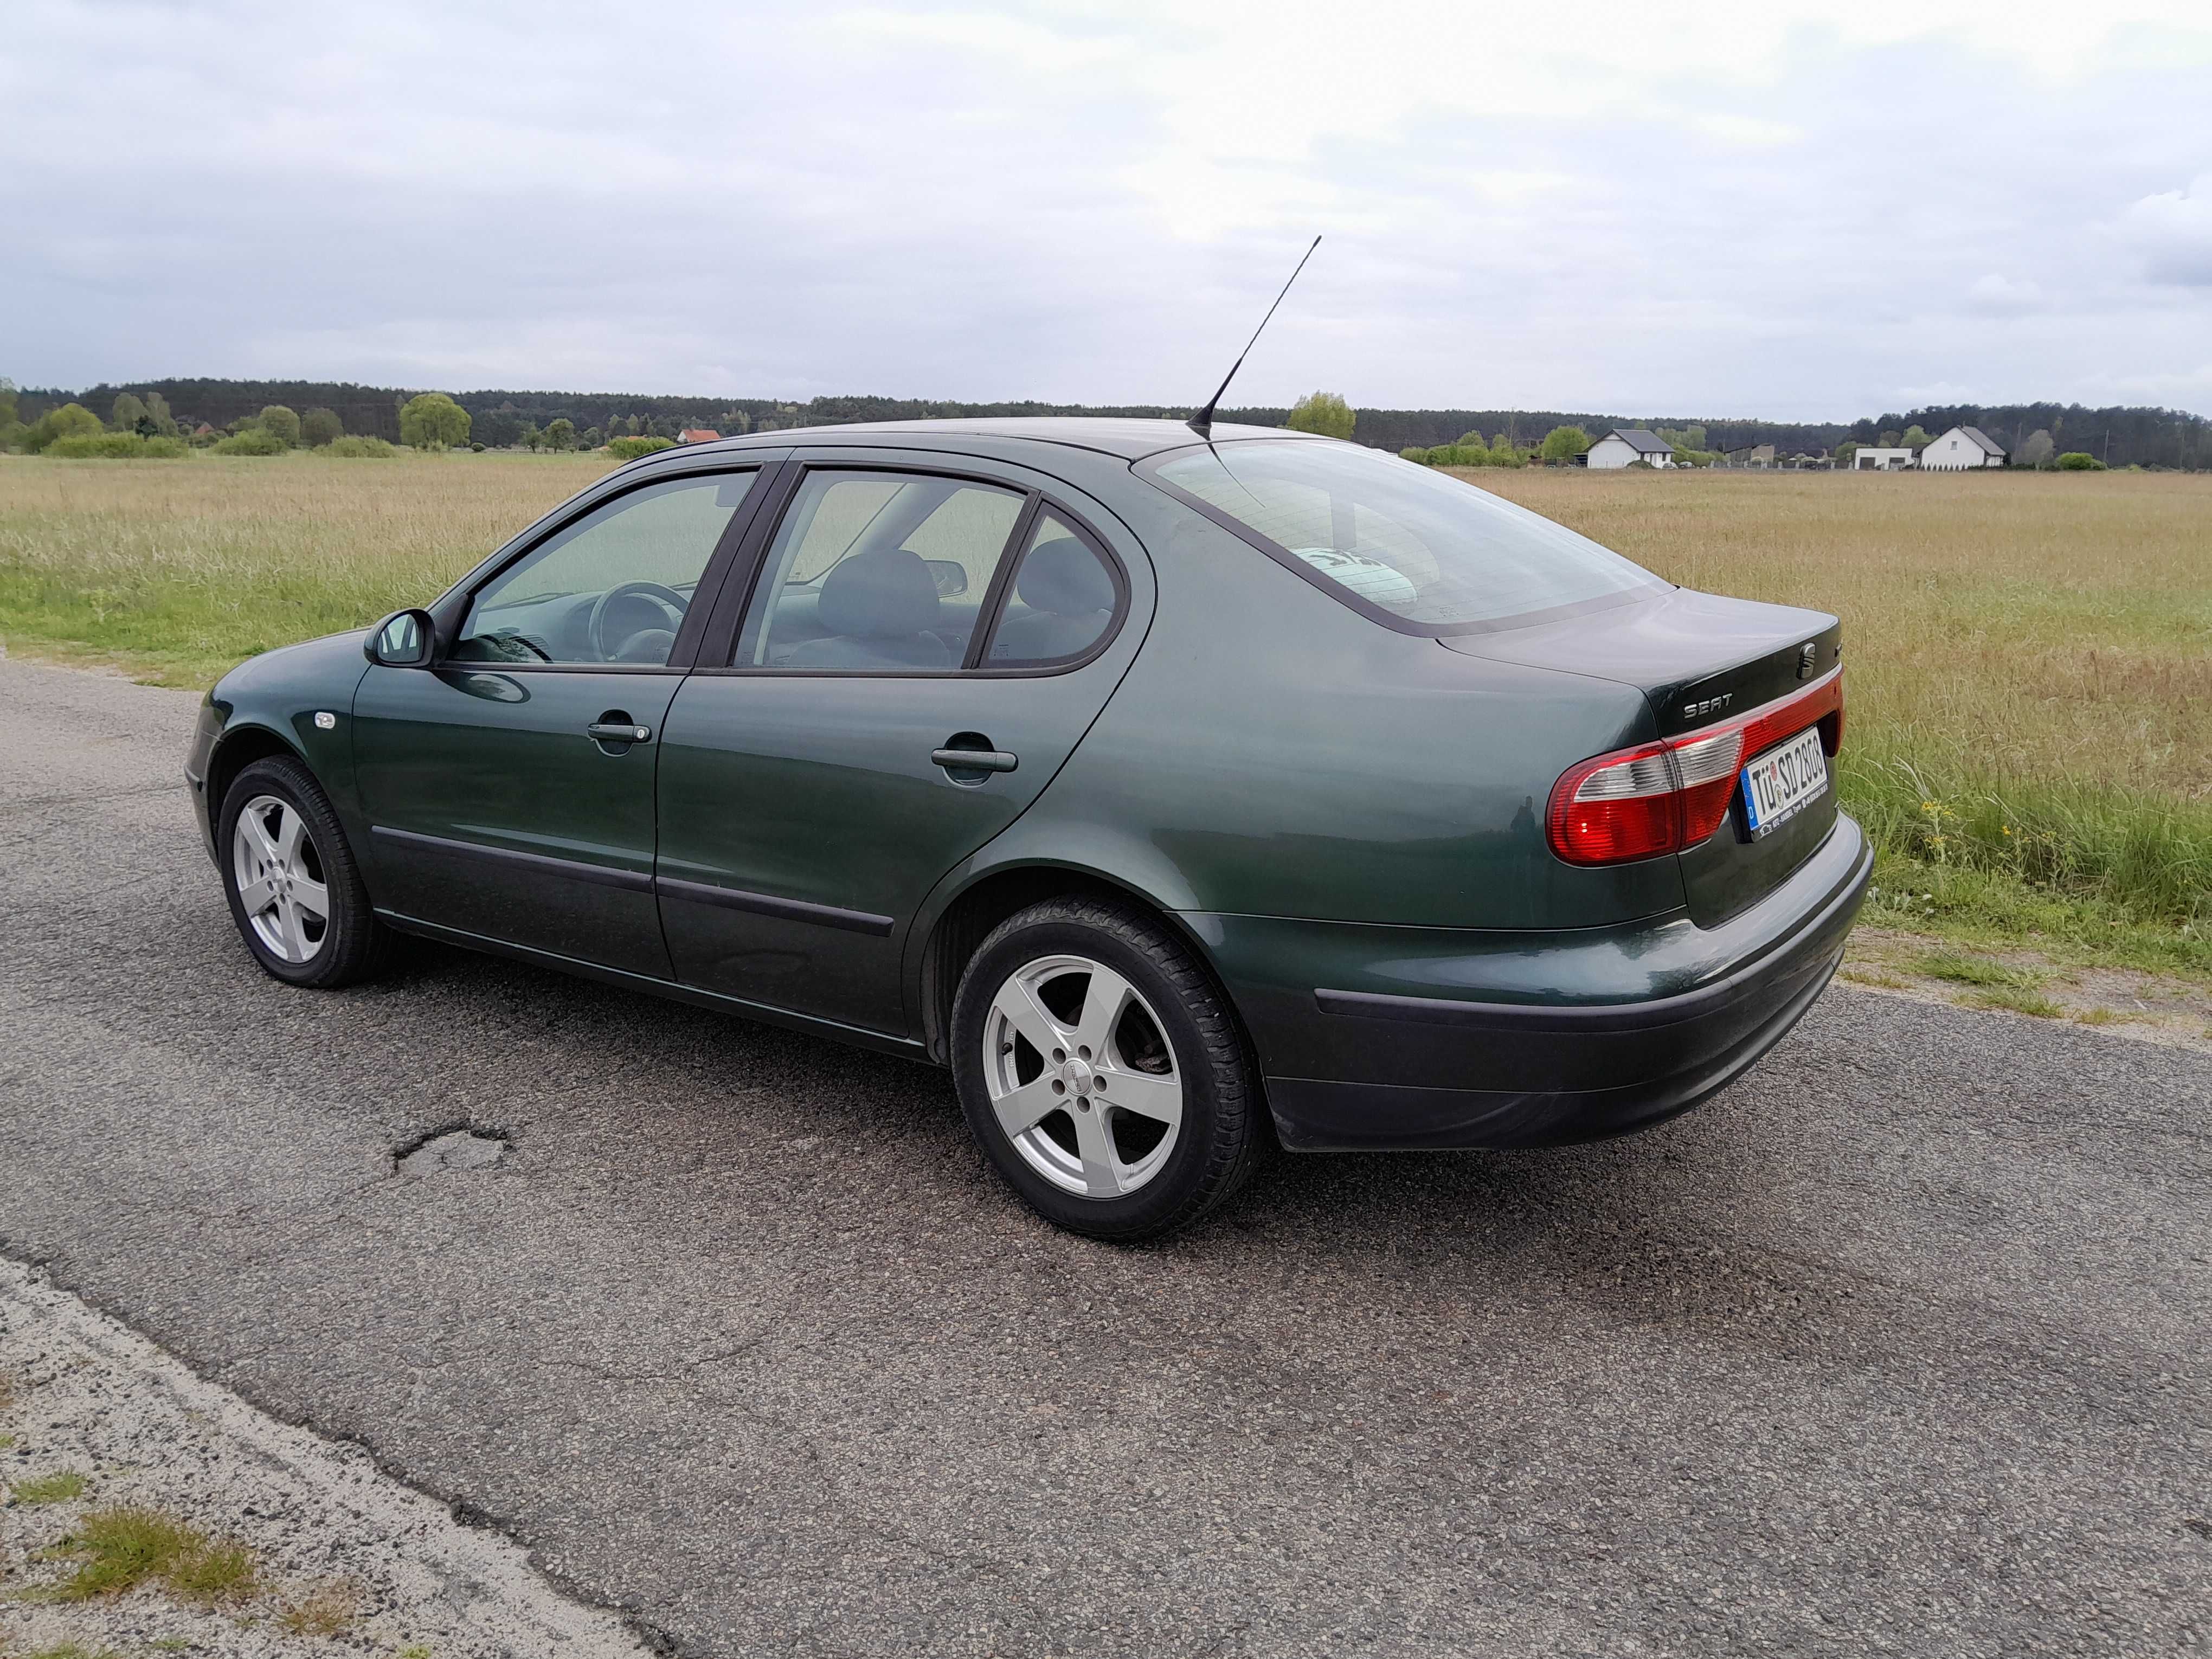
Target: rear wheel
point(1104, 1075)
point(294, 890)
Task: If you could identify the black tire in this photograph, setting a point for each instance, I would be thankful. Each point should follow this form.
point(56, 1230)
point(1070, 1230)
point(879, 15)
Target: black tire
point(1221, 1131)
point(352, 945)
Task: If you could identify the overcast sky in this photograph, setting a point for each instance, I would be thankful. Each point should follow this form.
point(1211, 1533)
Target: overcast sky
point(1775, 211)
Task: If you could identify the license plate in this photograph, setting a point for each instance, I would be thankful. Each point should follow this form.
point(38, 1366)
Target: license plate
point(1777, 784)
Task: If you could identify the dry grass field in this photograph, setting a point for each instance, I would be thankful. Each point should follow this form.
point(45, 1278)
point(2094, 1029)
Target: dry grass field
point(2028, 656)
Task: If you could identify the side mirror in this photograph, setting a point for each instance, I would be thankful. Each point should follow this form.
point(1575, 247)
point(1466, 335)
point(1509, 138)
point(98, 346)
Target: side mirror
point(949, 575)
point(401, 640)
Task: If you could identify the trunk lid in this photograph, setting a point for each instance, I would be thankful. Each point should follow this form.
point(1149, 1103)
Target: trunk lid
point(1701, 661)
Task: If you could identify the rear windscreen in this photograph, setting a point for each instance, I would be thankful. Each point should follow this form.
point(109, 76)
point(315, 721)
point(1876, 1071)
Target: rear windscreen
point(1409, 546)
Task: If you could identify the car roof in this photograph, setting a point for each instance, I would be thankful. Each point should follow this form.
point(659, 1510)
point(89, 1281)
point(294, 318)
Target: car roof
point(1129, 439)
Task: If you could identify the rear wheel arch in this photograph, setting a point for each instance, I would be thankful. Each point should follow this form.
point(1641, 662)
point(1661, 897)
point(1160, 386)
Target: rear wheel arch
point(969, 919)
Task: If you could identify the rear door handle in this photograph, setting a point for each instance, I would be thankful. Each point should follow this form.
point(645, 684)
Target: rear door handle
point(974, 760)
point(617, 732)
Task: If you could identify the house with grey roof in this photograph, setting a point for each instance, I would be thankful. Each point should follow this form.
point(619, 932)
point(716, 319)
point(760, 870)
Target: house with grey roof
point(1625, 448)
point(1962, 447)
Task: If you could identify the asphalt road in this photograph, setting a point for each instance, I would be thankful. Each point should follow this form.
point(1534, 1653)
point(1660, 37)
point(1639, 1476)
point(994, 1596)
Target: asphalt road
point(1902, 1344)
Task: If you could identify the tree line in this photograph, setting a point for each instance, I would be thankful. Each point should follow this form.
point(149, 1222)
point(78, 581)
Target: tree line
point(502, 419)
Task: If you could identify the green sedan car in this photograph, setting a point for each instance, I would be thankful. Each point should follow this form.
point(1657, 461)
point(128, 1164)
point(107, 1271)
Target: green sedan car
point(1175, 794)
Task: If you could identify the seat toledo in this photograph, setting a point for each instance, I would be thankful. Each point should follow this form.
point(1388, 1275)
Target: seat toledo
point(1173, 793)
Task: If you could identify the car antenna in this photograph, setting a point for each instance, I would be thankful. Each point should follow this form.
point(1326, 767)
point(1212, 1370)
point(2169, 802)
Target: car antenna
point(1203, 422)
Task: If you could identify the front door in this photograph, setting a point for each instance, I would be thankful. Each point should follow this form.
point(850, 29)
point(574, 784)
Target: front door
point(509, 788)
point(816, 788)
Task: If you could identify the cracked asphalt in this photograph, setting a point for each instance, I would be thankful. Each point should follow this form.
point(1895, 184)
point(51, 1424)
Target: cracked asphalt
point(1898, 1345)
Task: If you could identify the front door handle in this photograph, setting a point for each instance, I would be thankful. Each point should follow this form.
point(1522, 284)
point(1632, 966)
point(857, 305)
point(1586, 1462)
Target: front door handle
point(617, 732)
point(974, 760)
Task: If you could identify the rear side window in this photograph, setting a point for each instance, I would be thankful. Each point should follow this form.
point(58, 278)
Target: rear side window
point(1063, 600)
point(1411, 548)
point(878, 572)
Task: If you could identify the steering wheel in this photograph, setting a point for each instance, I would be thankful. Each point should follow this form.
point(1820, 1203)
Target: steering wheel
point(595, 630)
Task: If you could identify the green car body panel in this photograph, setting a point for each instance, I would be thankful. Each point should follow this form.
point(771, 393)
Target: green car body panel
point(1348, 821)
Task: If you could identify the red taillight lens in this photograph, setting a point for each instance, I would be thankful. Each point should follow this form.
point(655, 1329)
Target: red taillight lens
point(1661, 797)
point(1618, 806)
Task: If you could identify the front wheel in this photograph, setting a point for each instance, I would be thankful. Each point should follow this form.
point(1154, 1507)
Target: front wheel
point(1104, 1075)
point(294, 890)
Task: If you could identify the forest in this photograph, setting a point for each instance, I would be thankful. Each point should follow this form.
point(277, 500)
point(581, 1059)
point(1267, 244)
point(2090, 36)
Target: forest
point(2118, 436)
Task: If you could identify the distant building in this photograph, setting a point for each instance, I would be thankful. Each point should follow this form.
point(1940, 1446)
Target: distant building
point(697, 434)
point(1960, 447)
point(1754, 455)
point(1619, 448)
point(1872, 458)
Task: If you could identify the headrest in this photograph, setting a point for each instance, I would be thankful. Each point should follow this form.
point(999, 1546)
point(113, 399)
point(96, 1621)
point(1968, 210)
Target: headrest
point(878, 594)
point(1065, 577)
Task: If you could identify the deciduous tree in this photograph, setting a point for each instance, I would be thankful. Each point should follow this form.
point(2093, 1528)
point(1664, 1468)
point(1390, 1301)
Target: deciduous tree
point(1564, 443)
point(1323, 412)
point(128, 412)
point(433, 421)
point(283, 423)
point(560, 433)
point(318, 426)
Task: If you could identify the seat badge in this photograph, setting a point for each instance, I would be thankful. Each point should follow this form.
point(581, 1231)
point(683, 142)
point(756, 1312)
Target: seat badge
point(325, 720)
point(1807, 654)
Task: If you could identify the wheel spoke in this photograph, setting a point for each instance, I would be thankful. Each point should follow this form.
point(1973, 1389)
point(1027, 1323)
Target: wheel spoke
point(289, 829)
point(258, 896)
point(295, 937)
point(1101, 1178)
point(1108, 994)
point(263, 843)
point(1160, 1098)
point(1022, 1010)
point(1022, 1110)
point(311, 897)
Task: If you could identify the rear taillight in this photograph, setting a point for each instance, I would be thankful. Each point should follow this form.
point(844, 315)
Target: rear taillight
point(1661, 797)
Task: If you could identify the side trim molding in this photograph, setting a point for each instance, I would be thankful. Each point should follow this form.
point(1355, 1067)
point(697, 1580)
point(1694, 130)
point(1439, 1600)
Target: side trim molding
point(766, 904)
point(598, 875)
point(636, 881)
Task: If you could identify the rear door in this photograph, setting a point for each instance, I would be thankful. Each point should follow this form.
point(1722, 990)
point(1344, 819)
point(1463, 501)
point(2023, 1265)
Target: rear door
point(509, 788)
point(817, 778)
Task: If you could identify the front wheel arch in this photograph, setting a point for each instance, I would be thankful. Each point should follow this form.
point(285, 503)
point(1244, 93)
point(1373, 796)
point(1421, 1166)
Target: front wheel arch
point(236, 749)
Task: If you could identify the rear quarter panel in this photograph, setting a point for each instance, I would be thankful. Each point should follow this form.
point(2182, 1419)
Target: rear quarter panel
point(1272, 753)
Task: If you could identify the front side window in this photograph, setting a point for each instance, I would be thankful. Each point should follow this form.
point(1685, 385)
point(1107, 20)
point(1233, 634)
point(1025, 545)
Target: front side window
point(1408, 546)
point(876, 572)
point(612, 588)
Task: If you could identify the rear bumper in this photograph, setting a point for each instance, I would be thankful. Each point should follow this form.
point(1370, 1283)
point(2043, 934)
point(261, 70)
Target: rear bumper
point(1434, 1038)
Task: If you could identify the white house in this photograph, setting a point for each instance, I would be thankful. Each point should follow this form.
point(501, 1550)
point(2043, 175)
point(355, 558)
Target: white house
point(1960, 447)
point(1871, 458)
point(1626, 448)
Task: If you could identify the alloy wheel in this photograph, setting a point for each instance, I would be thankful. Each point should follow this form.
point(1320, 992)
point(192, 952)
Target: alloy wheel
point(278, 873)
point(1082, 1077)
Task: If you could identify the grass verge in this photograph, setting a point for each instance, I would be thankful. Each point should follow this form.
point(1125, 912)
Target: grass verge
point(119, 1549)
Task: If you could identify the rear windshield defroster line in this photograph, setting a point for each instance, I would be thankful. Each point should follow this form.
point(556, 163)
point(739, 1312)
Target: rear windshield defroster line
point(1406, 547)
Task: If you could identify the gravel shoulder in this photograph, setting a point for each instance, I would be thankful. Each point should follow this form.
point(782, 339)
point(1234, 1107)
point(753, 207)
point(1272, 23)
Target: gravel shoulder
point(340, 1552)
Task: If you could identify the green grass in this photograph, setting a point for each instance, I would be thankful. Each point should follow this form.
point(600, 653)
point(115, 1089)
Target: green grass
point(119, 1549)
point(56, 1488)
point(2016, 1000)
point(1974, 970)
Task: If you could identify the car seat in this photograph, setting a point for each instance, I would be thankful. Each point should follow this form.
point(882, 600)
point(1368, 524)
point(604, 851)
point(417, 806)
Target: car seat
point(878, 607)
point(1070, 596)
